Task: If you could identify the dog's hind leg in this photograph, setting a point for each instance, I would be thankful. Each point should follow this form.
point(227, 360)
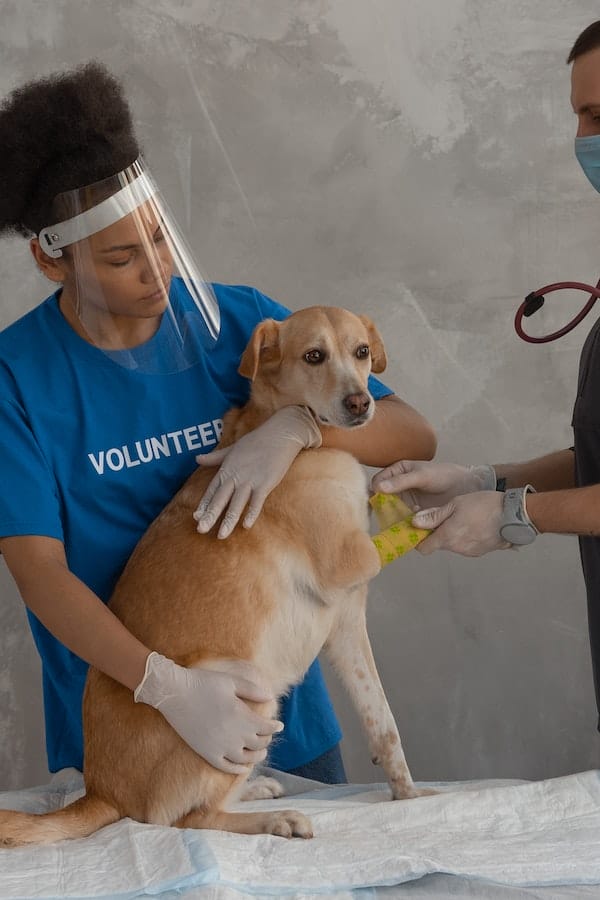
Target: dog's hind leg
point(285, 823)
point(349, 650)
point(189, 793)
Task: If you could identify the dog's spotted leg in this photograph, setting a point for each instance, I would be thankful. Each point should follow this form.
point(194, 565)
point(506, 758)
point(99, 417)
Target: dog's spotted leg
point(349, 651)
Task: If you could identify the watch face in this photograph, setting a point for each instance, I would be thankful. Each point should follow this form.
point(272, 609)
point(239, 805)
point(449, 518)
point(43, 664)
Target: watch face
point(516, 533)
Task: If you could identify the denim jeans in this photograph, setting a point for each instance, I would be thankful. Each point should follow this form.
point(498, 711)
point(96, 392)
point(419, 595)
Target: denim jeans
point(328, 768)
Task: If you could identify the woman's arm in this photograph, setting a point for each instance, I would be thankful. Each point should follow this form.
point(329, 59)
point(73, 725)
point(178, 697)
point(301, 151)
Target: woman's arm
point(71, 611)
point(204, 706)
point(396, 431)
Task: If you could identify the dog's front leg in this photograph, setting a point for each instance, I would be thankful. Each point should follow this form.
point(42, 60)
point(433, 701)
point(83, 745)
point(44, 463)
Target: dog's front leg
point(349, 651)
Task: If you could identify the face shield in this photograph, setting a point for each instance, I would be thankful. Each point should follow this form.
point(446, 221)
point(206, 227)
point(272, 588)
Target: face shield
point(130, 277)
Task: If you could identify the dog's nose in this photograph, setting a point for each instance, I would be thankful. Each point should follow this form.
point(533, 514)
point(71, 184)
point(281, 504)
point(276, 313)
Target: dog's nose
point(357, 404)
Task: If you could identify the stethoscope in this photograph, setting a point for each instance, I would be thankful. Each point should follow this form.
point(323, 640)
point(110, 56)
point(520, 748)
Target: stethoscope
point(535, 301)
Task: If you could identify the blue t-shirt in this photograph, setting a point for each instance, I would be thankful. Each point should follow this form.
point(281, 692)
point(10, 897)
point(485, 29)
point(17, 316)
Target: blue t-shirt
point(92, 451)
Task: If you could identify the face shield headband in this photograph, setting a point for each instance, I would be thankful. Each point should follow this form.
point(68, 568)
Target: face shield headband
point(130, 275)
point(132, 195)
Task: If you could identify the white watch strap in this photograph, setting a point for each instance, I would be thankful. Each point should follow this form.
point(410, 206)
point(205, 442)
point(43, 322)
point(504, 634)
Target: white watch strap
point(528, 489)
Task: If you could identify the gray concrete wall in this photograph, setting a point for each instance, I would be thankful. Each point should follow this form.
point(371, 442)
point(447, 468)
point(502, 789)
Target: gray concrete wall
point(412, 161)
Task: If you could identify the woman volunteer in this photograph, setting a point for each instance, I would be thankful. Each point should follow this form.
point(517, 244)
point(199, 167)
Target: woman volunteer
point(109, 389)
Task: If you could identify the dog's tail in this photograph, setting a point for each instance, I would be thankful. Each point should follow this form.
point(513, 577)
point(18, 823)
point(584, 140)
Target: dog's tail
point(77, 820)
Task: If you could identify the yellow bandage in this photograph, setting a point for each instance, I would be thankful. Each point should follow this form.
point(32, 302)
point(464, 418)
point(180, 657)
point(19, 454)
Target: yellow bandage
point(389, 509)
point(398, 535)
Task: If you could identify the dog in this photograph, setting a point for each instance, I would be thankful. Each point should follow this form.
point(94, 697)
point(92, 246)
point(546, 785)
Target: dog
point(274, 595)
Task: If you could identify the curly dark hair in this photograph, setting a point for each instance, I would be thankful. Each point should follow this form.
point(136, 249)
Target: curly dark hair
point(59, 133)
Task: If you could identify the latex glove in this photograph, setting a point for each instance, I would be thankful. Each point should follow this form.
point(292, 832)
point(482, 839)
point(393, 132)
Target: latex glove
point(469, 525)
point(206, 708)
point(425, 484)
point(252, 467)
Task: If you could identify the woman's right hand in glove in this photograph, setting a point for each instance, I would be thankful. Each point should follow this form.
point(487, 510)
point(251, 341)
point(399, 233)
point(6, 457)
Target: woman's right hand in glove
point(205, 706)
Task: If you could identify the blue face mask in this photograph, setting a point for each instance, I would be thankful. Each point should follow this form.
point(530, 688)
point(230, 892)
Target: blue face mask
point(587, 151)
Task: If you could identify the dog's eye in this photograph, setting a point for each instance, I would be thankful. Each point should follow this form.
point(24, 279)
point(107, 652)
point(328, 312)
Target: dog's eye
point(315, 357)
point(363, 351)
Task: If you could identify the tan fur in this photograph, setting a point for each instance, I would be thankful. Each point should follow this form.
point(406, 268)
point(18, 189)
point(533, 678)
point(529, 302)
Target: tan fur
point(273, 595)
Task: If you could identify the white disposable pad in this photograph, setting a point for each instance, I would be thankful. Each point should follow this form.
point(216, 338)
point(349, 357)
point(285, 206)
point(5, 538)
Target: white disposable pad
point(511, 833)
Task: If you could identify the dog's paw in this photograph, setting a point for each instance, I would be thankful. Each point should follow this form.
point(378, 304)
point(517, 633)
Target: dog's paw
point(409, 792)
point(262, 788)
point(288, 823)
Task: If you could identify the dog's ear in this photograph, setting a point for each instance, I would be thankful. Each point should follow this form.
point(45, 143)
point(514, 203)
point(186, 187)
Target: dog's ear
point(378, 357)
point(263, 347)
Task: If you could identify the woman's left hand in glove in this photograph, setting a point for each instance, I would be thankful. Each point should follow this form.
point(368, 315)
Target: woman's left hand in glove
point(252, 467)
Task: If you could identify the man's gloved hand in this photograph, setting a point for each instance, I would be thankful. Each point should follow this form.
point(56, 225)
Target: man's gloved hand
point(424, 484)
point(469, 525)
point(206, 708)
point(252, 467)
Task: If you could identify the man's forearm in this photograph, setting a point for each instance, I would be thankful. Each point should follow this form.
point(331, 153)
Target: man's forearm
point(396, 431)
point(558, 507)
point(553, 472)
point(575, 511)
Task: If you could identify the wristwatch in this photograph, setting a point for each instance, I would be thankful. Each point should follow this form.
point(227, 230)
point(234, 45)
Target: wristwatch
point(516, 527)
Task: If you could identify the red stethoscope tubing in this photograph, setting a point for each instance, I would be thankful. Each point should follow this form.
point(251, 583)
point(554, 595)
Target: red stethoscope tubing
point(535, 300)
